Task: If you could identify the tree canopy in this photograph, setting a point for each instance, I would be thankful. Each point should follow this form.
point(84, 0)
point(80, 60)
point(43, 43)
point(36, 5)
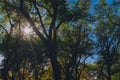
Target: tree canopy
point(54, 39)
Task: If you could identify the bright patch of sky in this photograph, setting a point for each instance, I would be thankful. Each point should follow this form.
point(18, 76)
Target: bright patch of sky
point(109, 1)
point(0, 16)
point(92, 59)
point(1, 58)
point(92, 7)
point(95, 2)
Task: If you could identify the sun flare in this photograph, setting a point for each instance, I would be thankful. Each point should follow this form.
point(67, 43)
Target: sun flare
point(27, 30)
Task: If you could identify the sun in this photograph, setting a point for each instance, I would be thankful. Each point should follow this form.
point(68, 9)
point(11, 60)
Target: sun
point(27, 31)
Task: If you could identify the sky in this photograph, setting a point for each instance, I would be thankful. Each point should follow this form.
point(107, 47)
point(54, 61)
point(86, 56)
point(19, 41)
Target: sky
point(1, 58)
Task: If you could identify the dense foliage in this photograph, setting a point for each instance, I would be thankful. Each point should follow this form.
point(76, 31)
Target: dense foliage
point(54, 39)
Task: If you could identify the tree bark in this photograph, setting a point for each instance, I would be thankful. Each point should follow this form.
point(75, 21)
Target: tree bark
point(54, 62)
point(5, 74)
point(36, 74)
point(56, 69)
point(67, 75)
point(109, 73)
point(5, 69)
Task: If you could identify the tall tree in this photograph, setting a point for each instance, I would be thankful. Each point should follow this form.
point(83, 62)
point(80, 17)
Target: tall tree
point(76, 47)
point(48, 16)
point(108, 47)
point(107, 37)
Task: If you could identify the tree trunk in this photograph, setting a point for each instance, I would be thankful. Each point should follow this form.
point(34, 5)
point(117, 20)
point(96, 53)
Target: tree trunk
point(36, 74)
point(109, 72)
point(55, 64)
point(5, 74)
point(19, 75)
point(56, 68)
point(13, 77)
point(5, 70)
point(67, 75)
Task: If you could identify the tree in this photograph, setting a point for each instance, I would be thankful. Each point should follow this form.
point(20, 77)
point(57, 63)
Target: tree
point(107, 37)
point(36, 12)
point(108, 48)
point(74, 51)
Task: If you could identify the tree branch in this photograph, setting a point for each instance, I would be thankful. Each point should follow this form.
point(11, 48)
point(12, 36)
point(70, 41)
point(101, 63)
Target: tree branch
point(11, 28)
point(40, 18)
point(46, 9)
point(57, 27)
point(27, 16)
point(54, 17)
point(114, 23)
point(4, 29)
